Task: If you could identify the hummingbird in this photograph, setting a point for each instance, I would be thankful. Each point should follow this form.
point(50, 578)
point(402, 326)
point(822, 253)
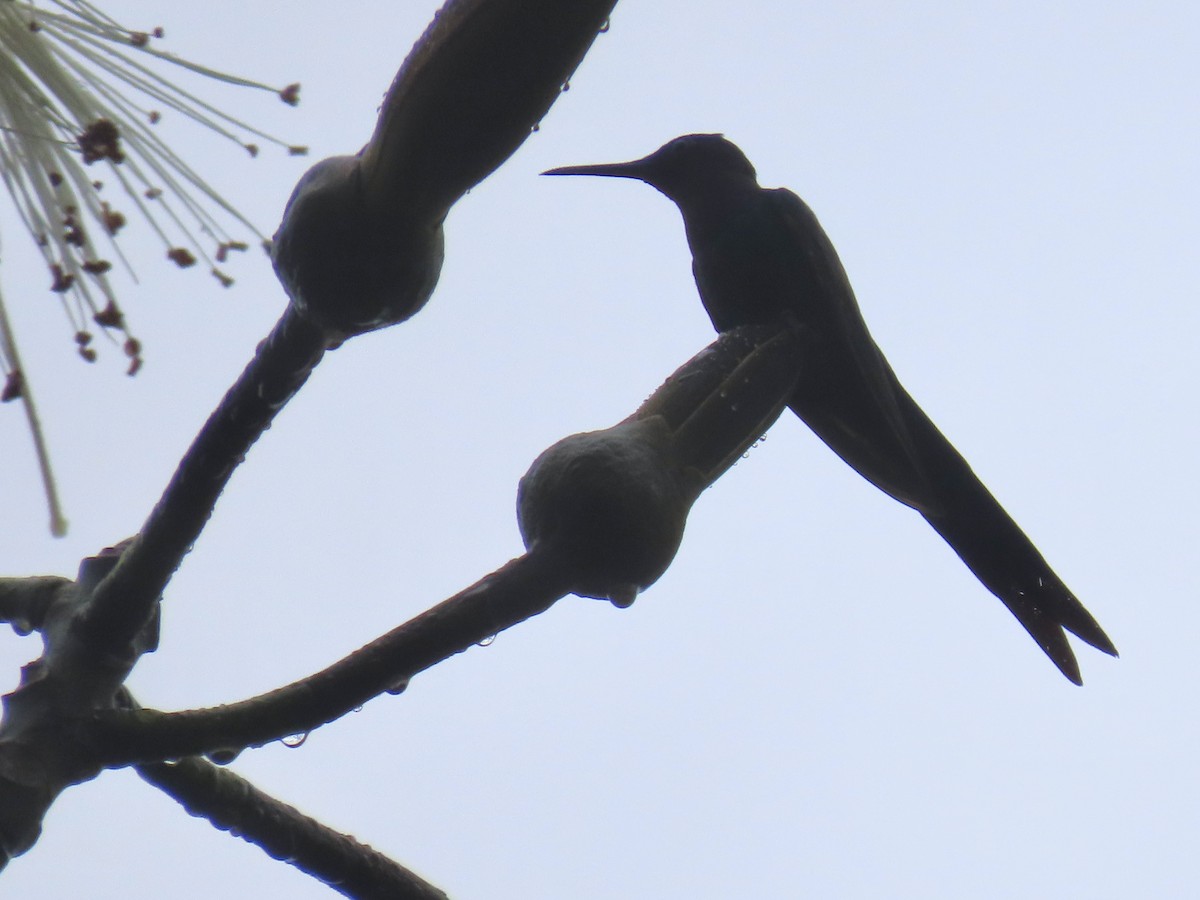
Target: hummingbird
point(759, 256)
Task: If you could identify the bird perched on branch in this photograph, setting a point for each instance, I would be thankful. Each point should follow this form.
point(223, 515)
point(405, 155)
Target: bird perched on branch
point(760, 257)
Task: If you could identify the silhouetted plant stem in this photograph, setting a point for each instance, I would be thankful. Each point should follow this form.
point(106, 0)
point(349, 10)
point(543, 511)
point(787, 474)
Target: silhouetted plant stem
point(124, 601)
point(233, 804)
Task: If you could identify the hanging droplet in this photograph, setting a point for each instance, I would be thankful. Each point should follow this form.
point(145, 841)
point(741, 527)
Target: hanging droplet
point(223, 757)
point(623, 597)
point(399, 687)
point(487, 641)
point(292, 741)
point(607, 24)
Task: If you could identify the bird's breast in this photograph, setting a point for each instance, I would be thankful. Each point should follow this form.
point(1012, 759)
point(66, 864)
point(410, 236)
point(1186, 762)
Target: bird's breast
point(749, 273)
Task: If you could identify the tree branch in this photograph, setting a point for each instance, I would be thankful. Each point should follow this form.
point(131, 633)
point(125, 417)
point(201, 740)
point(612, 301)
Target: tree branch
point(602, 514)
point(352, 258)
point(25, 602)
point(122, 604)
point(522, 588)
point(233, 804)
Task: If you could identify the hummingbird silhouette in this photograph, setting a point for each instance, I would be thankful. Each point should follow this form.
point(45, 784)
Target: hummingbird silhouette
point(760, 257)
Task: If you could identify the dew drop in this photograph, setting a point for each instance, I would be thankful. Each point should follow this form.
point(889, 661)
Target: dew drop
point(399, 687)
point(607, 24)
point(487, 641)
point(292, 741)
point(223, 757)
point(537, 126)
point(566, 86)
point(623, 597)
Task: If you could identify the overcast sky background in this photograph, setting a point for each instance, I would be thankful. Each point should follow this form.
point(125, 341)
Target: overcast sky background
point(817, 699)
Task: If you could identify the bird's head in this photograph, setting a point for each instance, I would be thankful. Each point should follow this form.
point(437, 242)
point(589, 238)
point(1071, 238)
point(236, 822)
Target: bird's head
point(679, 168)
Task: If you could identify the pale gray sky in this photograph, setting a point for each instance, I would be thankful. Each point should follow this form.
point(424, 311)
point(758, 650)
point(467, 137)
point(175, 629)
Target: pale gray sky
point(817, 699)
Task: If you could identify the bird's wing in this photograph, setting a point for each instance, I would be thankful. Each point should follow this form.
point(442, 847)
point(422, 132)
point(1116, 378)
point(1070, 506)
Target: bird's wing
point(852, 399)
point(869, 419)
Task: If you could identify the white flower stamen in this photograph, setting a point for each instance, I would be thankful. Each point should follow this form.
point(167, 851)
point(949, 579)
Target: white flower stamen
point(74, 96)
